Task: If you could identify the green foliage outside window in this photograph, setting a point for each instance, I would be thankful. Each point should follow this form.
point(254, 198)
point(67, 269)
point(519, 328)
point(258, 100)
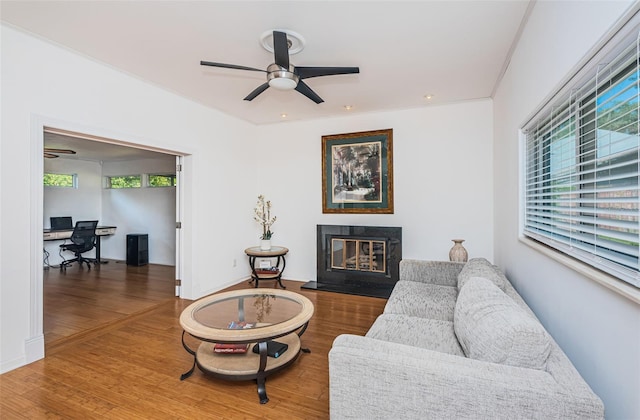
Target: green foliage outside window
point(162, 180)
point(58, 180)
point(132, 181)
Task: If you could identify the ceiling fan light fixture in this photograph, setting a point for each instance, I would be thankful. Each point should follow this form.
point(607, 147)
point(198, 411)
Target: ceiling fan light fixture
point(282, 83)
point(283, 75)
point(281, 79)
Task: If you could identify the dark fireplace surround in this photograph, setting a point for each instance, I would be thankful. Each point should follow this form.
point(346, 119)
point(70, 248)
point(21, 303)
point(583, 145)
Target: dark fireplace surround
point(360, 260)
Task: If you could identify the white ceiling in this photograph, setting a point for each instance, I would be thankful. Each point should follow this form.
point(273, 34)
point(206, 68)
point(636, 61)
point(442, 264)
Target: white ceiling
point(455, 50)
point(87, 148)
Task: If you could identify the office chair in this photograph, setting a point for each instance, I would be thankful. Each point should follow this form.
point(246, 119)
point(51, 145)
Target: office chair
point(83, 239)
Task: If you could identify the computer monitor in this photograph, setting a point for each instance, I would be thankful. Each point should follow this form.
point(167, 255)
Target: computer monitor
point(61, 223)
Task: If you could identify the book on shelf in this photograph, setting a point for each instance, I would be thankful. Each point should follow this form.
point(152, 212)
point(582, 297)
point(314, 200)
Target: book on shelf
point(230, 348)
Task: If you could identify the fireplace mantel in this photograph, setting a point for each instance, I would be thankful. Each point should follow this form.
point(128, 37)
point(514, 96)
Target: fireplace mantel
point(361, 260)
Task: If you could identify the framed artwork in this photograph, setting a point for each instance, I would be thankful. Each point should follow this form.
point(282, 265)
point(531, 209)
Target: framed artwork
point(357, 172)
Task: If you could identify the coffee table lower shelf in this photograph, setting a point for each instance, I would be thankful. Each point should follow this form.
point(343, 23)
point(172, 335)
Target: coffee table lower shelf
point(244, 366)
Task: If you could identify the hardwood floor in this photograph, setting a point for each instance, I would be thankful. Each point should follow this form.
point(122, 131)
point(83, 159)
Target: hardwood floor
point(77, 302)
point(130, 368)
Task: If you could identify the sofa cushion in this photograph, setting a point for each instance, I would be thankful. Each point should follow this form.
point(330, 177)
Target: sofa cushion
point(431, 334)
point(491, 327)
point(480, 267)
point(422, 300)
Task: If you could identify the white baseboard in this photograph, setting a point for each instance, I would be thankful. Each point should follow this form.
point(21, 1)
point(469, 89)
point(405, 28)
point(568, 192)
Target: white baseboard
point(34, 348)
point(12, 364)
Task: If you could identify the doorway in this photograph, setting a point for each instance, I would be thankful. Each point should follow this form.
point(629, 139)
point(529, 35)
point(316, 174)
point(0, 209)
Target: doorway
point(113, 291)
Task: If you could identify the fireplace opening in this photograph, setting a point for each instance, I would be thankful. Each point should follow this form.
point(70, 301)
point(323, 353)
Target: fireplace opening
point(362, 260)
point(358, 255)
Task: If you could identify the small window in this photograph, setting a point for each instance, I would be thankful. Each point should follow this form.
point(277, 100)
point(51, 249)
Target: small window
point(130, 181)
point(160, 180)
point(60, 180)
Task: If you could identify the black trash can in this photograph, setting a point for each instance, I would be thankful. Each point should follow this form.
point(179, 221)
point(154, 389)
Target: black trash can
point(137, 249)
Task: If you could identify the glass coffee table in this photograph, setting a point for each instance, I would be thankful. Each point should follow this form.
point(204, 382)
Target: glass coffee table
point(245, 318)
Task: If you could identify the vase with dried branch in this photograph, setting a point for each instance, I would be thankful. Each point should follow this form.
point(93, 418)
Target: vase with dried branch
point(262, 215)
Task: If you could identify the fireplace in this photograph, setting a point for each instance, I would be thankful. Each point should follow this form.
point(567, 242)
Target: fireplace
point(361, 260)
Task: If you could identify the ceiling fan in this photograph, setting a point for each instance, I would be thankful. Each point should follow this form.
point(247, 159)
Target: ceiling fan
point(285, 76)
point(50, 153)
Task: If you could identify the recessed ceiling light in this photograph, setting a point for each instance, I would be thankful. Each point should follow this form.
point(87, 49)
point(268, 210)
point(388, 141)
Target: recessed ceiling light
point(348, 107)
point(429, 96)
point(283, 115)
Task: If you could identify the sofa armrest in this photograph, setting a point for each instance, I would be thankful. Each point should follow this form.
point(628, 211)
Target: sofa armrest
point(443, 273)
point(376, 379)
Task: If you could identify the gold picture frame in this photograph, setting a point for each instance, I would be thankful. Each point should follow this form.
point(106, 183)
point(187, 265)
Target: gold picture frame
point(357, 172)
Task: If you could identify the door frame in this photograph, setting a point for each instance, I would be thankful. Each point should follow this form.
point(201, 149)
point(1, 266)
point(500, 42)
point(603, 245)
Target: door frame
point(34, 347)
point(179, 238)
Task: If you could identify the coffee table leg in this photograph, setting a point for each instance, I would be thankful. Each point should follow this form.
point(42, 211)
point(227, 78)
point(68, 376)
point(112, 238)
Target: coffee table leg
point(304, 328)
point(193, 367)
point(261, 379)
point(262, 391)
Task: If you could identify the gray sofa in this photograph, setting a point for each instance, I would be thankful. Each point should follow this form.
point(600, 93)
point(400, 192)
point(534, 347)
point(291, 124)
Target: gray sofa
point(455, 341)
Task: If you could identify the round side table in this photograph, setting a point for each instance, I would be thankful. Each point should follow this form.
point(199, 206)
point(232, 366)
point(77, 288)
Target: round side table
point(271, 273)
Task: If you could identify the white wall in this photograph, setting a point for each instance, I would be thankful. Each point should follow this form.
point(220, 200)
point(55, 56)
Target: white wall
point(82, 203)
point(141, 210)
point(597, 328)
point(46, 84)
point(138, 210)
point(442, 161)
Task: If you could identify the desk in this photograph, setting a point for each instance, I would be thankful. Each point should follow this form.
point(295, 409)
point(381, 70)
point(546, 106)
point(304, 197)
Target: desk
point(60, 235)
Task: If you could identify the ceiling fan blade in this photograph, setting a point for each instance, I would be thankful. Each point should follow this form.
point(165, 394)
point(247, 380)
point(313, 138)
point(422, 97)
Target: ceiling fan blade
point(306, 91)
point(229, 66)
point(281, 49)
point(50, 155)
point(257, 91)
point(61, 151)
point(307, 72)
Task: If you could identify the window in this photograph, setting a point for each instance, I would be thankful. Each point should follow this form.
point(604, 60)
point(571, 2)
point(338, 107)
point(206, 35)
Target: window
point(60, 180)
point(159, 180)
point(130, 181)
point(581, 165)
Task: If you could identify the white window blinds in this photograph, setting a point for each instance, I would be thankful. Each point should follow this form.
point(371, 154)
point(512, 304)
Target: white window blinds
point(581, 166)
